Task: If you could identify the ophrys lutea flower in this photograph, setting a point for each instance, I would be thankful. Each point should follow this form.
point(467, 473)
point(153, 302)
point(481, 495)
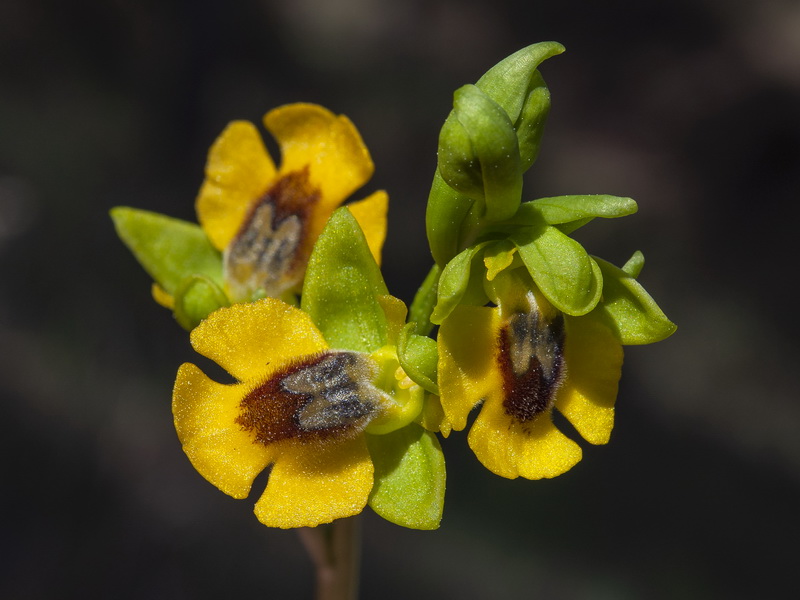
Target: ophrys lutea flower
point(522, 359)
point(266, 220)
point(258, 222)
point(297, 404)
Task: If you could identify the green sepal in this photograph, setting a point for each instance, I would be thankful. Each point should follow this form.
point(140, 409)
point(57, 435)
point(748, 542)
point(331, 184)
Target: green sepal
point(195, 299)
point(409, 477)
point(461, 282)
point(634, 265)
point(169, 249)
point(517, 86)
point(421, 307)
point(566, 209)
point(444, 216)
point(574, 211)
point(479, 153)
point(341, 287)
point(561, 268)
point(419, 357)
point(630, 310)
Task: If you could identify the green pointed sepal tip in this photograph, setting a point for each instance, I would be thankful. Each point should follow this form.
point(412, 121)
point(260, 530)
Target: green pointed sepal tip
point(627, 307)
point(169, 249)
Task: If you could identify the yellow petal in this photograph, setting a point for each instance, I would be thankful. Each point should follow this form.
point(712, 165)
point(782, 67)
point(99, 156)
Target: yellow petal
point(313, 484)
point(371, 216)
point(252, 340)
point(329, 145)
point(395, 311)
point(533, 450)
point(238, 172)
point(498, 257)
point(593, 356)
point(205, 412)
point(432, 416)
point(468, 370)
point(161, 296)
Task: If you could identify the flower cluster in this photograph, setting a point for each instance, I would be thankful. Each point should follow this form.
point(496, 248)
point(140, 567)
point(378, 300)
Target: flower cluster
point(341, 388)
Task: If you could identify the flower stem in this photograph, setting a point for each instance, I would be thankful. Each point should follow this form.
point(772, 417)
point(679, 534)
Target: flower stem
point(335, 550)
point(424, 301)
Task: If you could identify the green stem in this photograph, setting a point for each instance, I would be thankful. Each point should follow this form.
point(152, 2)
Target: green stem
point(424, 301)
point(335, 550)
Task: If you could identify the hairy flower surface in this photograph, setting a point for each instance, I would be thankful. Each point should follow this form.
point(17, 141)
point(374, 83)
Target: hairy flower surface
point(522, 359)
point(297, 405)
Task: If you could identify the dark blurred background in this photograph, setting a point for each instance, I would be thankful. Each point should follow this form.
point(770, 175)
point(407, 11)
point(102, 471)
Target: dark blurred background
point(690, 107)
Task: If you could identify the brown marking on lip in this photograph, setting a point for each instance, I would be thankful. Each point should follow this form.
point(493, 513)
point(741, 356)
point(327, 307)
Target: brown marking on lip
point(531, 360)
point(270, 251)
point(316, 398)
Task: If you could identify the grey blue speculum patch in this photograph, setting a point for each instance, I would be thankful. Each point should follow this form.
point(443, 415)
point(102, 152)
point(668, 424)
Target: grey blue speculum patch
point(325, 395)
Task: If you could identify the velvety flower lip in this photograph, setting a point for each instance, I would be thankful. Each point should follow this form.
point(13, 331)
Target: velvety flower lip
point(265, 219)
point(521, 360)
point(296, 405)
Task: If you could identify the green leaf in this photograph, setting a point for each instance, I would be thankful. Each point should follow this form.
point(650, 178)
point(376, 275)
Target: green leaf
point(419, 357)
point(564, 209)
point(409, 477)
point(444, 217)
point(461, 282)
point(424, 300)
point(479, 153)
point(561, 268)
point(630, 310)
point(341, 287)
point(170, 250)
point(195, 299)
point(634, 265)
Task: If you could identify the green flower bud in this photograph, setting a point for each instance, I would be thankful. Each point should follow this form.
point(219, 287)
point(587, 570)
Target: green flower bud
point(516, 85)
point(479, 153)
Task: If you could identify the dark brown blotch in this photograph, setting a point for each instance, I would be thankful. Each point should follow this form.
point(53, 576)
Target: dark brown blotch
point(531, 360)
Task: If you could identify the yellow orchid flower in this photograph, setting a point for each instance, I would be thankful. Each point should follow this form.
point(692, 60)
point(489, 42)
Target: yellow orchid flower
point(297, 405)
point(522, 359)
point(265, 220)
